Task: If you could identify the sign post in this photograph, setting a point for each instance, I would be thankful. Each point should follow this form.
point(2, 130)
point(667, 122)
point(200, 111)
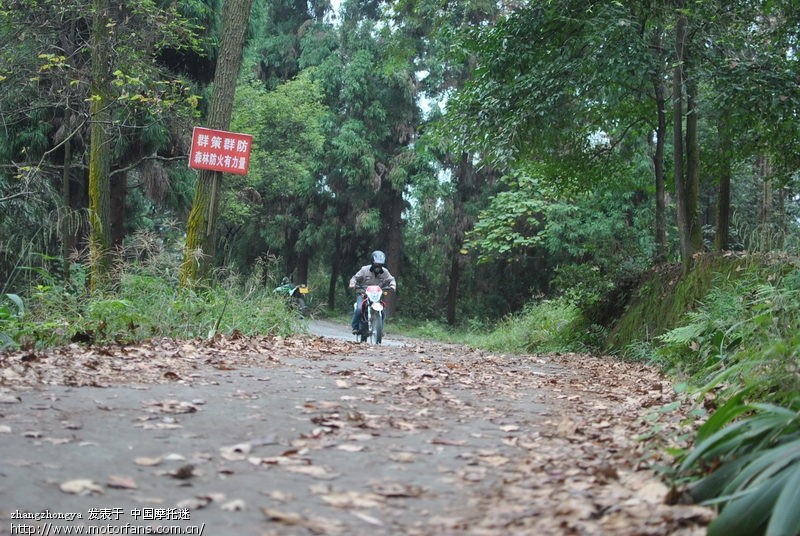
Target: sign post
point(218, 150)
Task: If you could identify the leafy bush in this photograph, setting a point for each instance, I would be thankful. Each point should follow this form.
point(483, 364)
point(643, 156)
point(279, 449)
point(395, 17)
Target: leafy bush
point(739, 346)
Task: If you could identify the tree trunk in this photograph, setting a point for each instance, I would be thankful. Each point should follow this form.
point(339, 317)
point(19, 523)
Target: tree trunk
point(394, 247)
point(658, 170)
point(100, 149)
point(764, 171)
point(465, 180)
point(766, 238)
point(693, 168)
point(677, 136)
point(722, 236)
point(200, 251)
point(119, 194)
point(335, 268)
point(452, 287)
point(303, 259)
point(66, 229)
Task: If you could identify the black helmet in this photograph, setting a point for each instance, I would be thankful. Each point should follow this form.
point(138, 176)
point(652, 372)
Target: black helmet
point(378, 257)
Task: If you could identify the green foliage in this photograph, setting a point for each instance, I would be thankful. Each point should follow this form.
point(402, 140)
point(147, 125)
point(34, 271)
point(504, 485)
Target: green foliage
point(12, 310)
point(279, 199)
point(730, 326)
point(596, 244)
point(665, 295)
point(758, 476)
point(546, 326)
point(742, 335)
point(147, 303)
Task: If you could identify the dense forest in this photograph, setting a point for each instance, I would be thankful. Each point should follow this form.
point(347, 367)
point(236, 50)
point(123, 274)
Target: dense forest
point(506, 156)
point(495, 152)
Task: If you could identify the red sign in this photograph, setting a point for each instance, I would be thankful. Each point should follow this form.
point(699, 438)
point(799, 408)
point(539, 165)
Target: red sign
point(218, 150)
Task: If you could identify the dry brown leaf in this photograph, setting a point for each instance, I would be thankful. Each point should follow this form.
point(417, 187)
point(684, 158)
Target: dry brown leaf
point(397, 489)
point(349, 447)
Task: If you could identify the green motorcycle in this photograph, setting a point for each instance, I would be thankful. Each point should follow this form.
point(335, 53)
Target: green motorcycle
point(298, 294)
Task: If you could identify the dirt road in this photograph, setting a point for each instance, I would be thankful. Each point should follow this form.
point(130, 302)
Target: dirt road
point(316, 435)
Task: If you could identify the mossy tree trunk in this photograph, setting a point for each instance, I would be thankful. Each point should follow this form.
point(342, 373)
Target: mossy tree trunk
point(200, 248)
point(100, 148)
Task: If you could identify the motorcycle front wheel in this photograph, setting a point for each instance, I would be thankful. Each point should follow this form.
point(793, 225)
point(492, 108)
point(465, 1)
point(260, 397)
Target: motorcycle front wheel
point(376, 329)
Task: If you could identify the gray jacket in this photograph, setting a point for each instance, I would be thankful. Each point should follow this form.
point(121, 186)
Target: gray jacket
point(365, 277)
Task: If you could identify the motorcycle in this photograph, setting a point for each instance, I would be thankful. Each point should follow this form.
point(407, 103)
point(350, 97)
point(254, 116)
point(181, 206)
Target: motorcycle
point(296, 293)
point(373, 314)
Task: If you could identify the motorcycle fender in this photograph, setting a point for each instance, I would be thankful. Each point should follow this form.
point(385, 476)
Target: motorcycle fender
point(377, 307)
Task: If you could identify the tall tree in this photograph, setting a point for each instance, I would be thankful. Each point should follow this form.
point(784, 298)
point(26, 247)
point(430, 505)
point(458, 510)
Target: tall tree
point(57, 53)
point(279, 207)
point(101, 98)
point(200, 250)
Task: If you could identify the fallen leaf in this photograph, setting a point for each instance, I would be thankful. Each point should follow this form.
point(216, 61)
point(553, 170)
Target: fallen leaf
point(147, 462)
point(397, 489)
point(236, 505)
point(8, 397)
point(367, 518)
point(81, 486)
point(353, 499)
point(349, 447)
point(195, 503)
point(311, 470)
point(313, 525)
point(449, 442)
point(121, 482)
point(236, 452)
point(183, 472)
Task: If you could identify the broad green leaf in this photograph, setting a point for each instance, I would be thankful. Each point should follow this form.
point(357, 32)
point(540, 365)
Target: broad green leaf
point(713, 485)
point(748, 514)
point(16, 300)
point(785, 519)
point(729, 411)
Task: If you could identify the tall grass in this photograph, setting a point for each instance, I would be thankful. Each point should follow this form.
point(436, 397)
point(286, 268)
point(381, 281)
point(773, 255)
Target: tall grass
point(148, 302)
point(545, 326)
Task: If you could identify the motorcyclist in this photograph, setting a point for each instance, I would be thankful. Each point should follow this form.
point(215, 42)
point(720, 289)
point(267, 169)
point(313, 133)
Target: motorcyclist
point(374, 273)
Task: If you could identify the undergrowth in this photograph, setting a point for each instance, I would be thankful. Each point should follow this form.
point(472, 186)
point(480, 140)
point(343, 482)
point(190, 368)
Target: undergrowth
point(738, 345)
point(541, 327)
point(147, 303)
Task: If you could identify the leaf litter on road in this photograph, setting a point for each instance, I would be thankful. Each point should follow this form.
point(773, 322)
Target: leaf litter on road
point(555, 444)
